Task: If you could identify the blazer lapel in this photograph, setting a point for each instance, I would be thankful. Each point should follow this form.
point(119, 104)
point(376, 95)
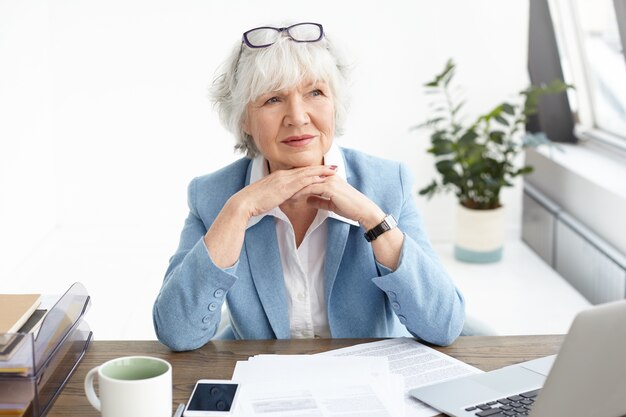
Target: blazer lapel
point(266, 270)
point(335, 246)
point(337, 238)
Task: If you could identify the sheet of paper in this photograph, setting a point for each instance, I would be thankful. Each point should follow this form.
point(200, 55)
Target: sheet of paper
point(306, 385)
point(366, 398)
point(293, 367)
point(418, 365)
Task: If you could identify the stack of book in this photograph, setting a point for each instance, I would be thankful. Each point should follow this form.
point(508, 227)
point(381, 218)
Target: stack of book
point(19, 315)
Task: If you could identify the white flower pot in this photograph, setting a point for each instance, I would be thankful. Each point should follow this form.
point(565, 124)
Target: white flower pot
point(479, 235)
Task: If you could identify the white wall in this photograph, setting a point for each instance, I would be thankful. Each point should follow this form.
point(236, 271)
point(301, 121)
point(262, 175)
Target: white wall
point(104, 117)
point(27, 179)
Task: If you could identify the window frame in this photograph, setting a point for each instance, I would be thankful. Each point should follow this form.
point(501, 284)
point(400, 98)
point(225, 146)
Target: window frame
point(572, 55)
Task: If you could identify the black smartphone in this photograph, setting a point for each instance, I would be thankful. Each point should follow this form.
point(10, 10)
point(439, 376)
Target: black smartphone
point(212, 397)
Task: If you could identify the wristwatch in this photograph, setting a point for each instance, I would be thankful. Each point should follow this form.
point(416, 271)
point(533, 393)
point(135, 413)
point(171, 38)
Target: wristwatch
point(388, 223)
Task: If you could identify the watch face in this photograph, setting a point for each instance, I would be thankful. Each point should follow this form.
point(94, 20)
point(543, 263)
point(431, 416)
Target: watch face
point(391, 221)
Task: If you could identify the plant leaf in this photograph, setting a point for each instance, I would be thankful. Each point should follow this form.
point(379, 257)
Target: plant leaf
point(429, 190)
point(447, 70)
point(508, 109)
point(458, 107)
point(441, 147)
point(468, 137)
point(445, 165)
point(501, 120)
point(523, 171)
point(442, 76)
point(496, 136)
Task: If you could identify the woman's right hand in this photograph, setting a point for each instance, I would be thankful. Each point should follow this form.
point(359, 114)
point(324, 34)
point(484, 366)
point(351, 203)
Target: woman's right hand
point(224, 238)
point(278, 187)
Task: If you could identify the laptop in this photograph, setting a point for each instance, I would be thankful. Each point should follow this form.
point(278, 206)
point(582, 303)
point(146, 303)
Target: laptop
point(586, 379)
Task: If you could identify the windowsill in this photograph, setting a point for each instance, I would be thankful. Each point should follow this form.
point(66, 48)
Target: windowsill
point(588, 182)
point(592, 162)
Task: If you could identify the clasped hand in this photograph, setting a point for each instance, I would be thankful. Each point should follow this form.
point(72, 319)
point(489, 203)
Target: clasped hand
point(317, 185)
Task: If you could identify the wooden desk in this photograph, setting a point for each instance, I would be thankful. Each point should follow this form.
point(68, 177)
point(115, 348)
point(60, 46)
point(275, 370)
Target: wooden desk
point(217, 360)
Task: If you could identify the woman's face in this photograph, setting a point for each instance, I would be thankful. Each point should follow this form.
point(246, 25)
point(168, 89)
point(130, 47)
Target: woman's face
point(293, 128)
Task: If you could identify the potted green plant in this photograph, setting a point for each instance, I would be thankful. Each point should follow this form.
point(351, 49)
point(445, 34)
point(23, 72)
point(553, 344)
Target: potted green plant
point(476, 160)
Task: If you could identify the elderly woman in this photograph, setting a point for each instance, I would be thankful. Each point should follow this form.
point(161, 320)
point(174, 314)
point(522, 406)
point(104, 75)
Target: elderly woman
point(301, 238)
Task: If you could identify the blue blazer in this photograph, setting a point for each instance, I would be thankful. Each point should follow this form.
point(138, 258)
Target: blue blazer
point(364, 299)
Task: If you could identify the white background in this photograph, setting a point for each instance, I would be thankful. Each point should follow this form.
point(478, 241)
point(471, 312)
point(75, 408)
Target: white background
point(104, 119)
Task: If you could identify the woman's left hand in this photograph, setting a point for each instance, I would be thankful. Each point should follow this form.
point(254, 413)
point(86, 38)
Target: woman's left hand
point(336, 195)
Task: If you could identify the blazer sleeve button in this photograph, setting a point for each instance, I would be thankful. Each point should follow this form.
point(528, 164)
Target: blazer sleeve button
point(206, 319)
point(402, 319)
point(212, 307)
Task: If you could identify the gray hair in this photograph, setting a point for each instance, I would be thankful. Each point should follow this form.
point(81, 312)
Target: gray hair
point(248, 73)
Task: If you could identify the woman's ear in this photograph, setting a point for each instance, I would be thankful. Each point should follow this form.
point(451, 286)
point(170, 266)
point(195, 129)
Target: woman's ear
point(245, 127)
point(245, 123)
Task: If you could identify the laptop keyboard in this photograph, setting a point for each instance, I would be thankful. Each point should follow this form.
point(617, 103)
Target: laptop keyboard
point(515, 405)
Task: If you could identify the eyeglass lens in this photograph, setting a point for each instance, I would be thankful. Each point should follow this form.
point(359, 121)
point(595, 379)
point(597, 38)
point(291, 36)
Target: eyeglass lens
point(266, 36)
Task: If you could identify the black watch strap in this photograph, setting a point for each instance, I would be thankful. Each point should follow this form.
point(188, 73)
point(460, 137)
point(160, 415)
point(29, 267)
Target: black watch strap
point(388, 223)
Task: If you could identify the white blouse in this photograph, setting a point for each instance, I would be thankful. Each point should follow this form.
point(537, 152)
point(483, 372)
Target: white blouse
point(303, 266)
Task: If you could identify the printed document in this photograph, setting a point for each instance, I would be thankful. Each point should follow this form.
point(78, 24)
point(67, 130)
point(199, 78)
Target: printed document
point(316, 386)
point(418, 365)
